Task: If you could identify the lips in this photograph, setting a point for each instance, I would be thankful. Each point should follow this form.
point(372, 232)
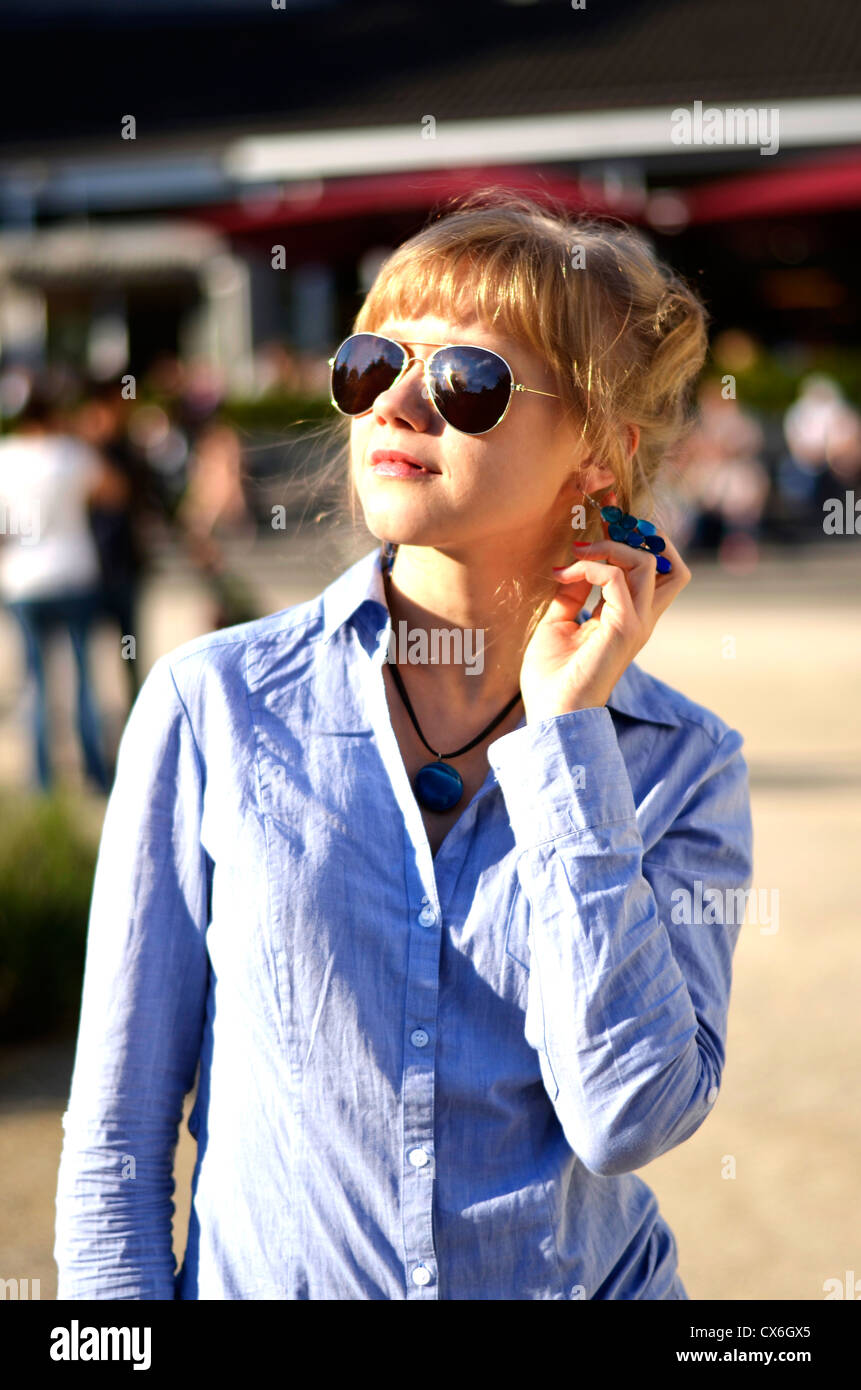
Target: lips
point(398, 456)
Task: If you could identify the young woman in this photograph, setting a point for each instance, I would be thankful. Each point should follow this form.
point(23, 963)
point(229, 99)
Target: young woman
point(422, 923)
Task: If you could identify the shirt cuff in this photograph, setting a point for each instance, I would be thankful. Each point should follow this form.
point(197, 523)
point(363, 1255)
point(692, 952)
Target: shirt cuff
point(561, 775)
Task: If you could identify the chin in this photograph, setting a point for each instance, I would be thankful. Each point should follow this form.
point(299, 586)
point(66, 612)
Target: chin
point(400, 531)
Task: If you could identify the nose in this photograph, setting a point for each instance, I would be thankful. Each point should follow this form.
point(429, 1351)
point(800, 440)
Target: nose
point(408, 401)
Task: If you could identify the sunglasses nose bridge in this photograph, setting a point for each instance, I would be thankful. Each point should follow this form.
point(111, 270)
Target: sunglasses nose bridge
point(409, 362)
point(404, 372)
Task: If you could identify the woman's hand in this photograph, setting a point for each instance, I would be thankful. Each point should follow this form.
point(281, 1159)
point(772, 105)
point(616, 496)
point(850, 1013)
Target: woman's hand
point(569, 666)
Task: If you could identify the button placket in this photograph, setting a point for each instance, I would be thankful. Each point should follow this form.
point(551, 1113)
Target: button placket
point(420, 1014)
point(417, 1183)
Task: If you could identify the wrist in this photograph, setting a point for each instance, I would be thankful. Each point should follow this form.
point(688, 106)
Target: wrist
point(535, 713)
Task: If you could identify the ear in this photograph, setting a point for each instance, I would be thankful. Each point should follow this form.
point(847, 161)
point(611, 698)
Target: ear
point(595, 478)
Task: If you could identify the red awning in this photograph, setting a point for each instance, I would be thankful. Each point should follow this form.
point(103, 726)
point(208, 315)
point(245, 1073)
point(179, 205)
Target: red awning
point(824, 186)
point(334, 200)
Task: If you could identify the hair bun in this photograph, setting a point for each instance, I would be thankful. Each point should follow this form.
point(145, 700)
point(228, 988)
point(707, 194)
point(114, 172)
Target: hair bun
point(671, 311)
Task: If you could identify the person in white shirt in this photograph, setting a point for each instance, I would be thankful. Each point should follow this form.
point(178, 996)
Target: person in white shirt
point(49, 570)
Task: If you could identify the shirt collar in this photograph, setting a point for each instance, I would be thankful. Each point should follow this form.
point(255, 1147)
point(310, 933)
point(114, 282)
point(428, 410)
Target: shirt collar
point(636, 694)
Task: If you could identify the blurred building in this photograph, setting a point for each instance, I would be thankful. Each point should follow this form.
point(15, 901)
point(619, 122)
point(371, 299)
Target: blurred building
point(206, 176)
point(105, 297)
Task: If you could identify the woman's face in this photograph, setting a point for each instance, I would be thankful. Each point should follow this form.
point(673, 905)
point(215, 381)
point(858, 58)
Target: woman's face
point(508, 490)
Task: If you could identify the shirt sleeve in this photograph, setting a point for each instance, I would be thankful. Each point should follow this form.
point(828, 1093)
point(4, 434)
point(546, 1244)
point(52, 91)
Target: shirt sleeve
point(143, 1004)
point(628, 991)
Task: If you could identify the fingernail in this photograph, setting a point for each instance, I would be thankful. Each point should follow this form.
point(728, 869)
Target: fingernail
point(560, 567)
point(582, 542)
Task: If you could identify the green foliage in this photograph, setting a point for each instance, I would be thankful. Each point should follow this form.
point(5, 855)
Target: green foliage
point(771, 383)
point(278, 411)
point(48, 848)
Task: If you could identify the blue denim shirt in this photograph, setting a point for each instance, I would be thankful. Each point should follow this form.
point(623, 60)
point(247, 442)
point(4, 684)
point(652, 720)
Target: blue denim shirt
point(419, 1077)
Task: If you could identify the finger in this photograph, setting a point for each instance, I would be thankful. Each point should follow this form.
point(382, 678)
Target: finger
point(669, 586)
point(638, 564)
point(610, 579)
point(573, 593)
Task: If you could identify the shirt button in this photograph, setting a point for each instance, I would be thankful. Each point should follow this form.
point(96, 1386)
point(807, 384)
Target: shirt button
point(712, 1095)
point(421, 1275)
point(427, 916)
point(419, 1038)
point(418, 1158)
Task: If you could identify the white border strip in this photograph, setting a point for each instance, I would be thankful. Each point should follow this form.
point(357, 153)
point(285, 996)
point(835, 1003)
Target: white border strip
point(581, 135)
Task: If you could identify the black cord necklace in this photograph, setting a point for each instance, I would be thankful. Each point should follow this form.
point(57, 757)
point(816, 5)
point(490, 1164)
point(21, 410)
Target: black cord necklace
point(438, 786)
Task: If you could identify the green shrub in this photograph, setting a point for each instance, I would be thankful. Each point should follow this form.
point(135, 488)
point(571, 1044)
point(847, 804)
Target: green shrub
point(772, 382)
point(278, 411)
point(48, 847)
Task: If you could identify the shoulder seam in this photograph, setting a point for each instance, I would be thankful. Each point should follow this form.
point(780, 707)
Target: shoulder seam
point(194, 741)
point(717, 739)
point(241, 639)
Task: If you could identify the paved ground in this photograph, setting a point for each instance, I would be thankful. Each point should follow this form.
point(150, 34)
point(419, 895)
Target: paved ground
point(787, 1120)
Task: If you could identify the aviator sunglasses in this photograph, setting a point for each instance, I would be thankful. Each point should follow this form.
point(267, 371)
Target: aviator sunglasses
point(471, 388)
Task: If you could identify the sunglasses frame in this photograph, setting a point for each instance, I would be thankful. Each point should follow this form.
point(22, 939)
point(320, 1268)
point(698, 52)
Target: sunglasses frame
point(426, 361)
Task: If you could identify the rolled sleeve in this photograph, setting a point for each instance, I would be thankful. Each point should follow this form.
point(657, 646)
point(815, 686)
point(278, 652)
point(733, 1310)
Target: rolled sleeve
point(626, 1006)
point(142, 1010)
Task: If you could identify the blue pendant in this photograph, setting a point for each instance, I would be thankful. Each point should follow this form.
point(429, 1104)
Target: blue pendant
point(438, 786)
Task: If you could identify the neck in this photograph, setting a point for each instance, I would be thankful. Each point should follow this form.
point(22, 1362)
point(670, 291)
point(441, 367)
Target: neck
point(467, 627)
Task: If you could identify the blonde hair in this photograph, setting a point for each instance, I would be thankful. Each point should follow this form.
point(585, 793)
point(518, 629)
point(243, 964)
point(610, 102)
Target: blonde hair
point(624, 337)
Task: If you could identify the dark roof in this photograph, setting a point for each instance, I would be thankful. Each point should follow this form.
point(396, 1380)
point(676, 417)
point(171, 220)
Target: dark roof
point(194, 75)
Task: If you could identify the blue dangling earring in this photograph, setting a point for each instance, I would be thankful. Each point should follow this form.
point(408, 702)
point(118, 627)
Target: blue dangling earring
point(634, 531)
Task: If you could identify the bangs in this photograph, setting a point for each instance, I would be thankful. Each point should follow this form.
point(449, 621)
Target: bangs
point(496, 283)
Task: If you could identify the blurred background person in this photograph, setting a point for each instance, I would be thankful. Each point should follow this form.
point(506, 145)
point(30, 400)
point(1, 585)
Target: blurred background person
point(214, 502)
point(213, 509)
point(49, 566)
point(725, 483)
point(823, 437)
point(116, 514)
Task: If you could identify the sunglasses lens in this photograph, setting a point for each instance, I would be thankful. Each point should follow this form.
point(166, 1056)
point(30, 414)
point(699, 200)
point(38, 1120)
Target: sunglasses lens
point(364, 366)
point(471, 387)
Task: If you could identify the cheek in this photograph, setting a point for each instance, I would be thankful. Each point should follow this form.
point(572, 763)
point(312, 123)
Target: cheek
point(493, 482)
point(519, 481)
